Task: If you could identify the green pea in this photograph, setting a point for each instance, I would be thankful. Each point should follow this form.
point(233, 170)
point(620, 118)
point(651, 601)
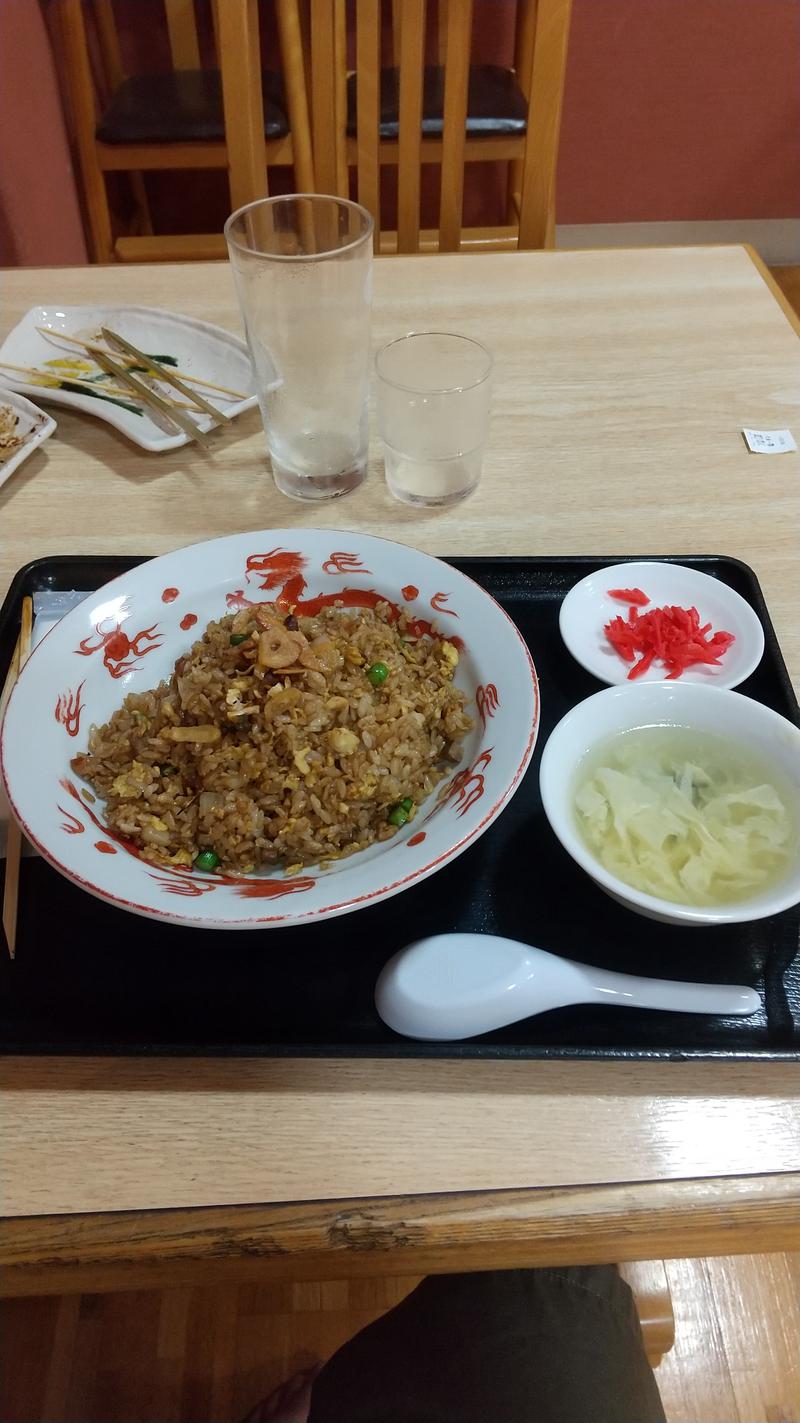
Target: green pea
point(206, 860)
point(237, 637)
point(377, 673)
point(397, 815)
point(169, 770)
point(407, 804)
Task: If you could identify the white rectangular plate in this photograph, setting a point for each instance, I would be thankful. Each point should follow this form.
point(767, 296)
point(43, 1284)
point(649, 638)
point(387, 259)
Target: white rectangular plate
point(201, 350)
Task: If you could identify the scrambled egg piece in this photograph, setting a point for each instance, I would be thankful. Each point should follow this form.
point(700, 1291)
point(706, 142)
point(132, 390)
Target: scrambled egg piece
point(133, 782)
point(343, 741)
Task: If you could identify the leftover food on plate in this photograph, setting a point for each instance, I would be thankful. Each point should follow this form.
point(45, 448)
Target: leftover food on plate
point(10, 441)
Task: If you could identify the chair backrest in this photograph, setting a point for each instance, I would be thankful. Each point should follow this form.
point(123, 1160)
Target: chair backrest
point(236, 35)
point(540, 62)
point(182, 32)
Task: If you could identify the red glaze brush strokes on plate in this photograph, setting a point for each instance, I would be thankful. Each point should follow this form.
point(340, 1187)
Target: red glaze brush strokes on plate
point(280, 571)
point(169, 595)
point(344, 563)
point(117, 647)
point(235, 601)
point(468, 786)
point(188, 888)
point(438, 601)
point(487, 701)
point(188, 621)
point(275, 568)
point(191, 886)
point(410, 592)
point(68, 710)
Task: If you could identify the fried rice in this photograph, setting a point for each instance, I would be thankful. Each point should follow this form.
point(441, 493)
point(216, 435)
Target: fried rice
point(279, 741)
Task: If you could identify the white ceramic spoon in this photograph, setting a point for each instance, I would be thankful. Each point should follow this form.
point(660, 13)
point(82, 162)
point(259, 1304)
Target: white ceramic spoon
point(458, 985)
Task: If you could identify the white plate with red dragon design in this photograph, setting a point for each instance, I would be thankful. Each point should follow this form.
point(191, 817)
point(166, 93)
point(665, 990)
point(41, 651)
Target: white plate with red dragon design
point(127, 636)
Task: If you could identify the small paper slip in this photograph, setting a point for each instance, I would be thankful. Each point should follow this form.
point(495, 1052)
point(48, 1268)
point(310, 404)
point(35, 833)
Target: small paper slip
point(769, 442)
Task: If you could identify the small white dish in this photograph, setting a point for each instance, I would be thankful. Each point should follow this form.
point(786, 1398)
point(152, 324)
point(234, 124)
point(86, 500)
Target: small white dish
point(587, 608)
point(713, 710)
point(33, 427)
point(200, 349)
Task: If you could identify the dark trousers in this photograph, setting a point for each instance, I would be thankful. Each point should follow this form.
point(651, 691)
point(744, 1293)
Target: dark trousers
point(516, 1346)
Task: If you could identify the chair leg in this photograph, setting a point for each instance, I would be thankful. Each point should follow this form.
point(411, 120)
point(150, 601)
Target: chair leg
point(98, 216)
point(650, 1286)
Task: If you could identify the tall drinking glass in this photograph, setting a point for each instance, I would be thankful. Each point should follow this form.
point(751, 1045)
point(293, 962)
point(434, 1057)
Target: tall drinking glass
point(303, 272)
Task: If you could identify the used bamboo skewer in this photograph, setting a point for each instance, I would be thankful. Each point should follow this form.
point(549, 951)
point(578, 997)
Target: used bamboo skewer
point(91, 387)
point(167, 407)
point(163, 373)
point(93, 346)
point(14, 838)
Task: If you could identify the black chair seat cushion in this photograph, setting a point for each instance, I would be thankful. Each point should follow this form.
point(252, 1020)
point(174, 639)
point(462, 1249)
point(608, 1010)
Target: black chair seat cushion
point(495, 104)
point(182, 107)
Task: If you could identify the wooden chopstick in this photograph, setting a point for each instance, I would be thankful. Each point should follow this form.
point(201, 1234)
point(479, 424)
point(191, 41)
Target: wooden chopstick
point(163, 373)
point(92, 346)
point(14, 838)
point(150, 397)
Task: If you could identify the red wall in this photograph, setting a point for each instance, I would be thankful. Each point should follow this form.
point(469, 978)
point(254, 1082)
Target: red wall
point(681, 110)
point(40, 221)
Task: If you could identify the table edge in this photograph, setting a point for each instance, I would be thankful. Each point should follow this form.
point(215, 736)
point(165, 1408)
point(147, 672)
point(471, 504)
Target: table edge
point(399, 1235)
point(769, 281)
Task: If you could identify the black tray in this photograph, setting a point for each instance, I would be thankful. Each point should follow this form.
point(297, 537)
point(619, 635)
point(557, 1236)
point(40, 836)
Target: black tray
point(91, 979)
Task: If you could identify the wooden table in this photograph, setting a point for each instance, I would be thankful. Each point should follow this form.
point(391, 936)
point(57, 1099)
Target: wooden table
point(623, 382)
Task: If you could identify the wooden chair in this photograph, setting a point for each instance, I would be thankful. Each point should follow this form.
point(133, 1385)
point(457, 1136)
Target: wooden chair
point(192, 118)
point(414, 114)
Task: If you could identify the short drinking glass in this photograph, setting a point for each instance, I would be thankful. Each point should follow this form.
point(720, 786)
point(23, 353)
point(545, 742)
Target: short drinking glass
point(303, 272)
point(433, 413)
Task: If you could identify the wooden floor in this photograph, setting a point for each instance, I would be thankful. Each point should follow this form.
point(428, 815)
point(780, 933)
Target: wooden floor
point(737, 1341)
point(206, 1356)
